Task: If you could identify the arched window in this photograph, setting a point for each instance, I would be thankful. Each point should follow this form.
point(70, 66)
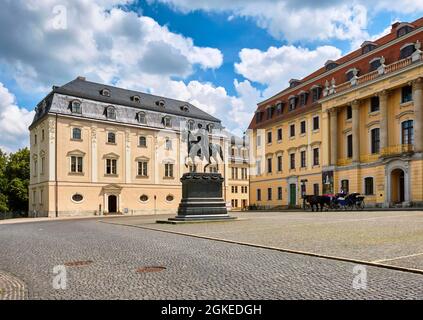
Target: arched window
point(185, 108)
point(210, 127)
point(141, 117)
point(329, 65)
point(142, 141)
point(136, 99)
point(76, 107)
point(404, 30)
point(407, 50)
point(374, 64)
point(160, 103)
point(111, 137)
point(111, 113)
point(76, 134)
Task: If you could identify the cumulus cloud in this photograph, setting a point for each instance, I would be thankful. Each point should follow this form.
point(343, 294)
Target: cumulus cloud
point(276, 66)
point(14, 122)
point(96, 39)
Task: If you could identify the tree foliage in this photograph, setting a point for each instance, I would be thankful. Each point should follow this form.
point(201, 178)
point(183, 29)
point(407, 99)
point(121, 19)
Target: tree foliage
point(14, 181)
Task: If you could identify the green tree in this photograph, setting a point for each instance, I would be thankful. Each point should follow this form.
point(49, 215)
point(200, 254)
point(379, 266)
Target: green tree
point(3, 182)
point(17, 176)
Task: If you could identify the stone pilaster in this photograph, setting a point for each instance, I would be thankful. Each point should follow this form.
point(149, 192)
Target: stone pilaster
point(355, 106)
point(383, 106)
point(333, 136)
point(418, 114)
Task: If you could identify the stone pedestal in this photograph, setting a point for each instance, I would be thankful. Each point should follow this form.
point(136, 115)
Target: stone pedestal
point(202, 198)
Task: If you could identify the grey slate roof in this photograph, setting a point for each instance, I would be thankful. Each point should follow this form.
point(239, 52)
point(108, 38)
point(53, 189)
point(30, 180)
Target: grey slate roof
point(91, 90)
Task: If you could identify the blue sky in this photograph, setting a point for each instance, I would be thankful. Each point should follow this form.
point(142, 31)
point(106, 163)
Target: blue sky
point(223, 56)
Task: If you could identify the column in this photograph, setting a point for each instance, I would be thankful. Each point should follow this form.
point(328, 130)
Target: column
point(418, 114)
point(383, 106)
point(356, 130)
point(325, 150)
point(333, 136)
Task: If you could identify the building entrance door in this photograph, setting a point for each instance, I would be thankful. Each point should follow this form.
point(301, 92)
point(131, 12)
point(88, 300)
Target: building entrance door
point(112, 204)
point(292, 194)
point(397, 186)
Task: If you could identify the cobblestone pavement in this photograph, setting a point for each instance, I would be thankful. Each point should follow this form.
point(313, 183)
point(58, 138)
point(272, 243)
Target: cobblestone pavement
point(388, 237)
point(11, 288)
point(195, 268)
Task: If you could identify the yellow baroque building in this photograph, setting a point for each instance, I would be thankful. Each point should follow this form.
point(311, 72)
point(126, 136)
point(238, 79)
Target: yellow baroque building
point(98, 149)
point(353, 125)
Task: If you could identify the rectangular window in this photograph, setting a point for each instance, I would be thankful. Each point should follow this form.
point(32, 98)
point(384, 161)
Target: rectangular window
point(368, 186)
point(407, 135)
point(345, 186)
point(142, 168)
point(41, 196)
point(269, 113)
point(111, 137)
point(349, 112)
point(76, 164)
point(269, 137)
point(374, 104)
point(316, 189)
point(258, 194)
point(316, 161)
point(349, 146)
point(35, 167)
point(42, 135)
point(375, 140)
point(406, 94)
point(279, 193)
point(168, 144)
point(279, 163)
point(111, 166)
point(43, 160)
point(35, 139)
point(269, 165)
point(316, 124)
point(279, 134)
point(169, 170)
point(303, 159)
point(34, 197)
point(292, 130)
point(303, 127)
point(316, 94)
point(269, 194)
point(258, 141)
point(258, 166)
point(292, 161)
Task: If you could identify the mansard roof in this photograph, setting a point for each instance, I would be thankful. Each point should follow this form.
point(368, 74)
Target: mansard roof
point(84, 89)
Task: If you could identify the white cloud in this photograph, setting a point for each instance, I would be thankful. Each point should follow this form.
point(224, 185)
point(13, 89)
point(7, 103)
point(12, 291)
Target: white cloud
point(100, 41)
point(14, 122)
point(276, 66)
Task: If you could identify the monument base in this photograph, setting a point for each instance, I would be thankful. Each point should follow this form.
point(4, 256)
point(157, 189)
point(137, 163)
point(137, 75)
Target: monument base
point(202, 198)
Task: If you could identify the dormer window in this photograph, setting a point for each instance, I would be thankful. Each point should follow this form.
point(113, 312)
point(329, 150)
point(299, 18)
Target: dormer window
point(303, 98)
point(292, 102)
point(184, 108)
point(105, 92)
point(141, 117)
point(294, 82)
point(167, 122)
point(316, 91)
point(350, 74)
point(279, 107)
point(375, 64)
point(210, 127)
point(160, 103)
point(406, 50)
point(269, 112)
point(111, 112)
point(136, 99)
point(76, 107)
point(259, 116)
point(403, 30)
point(329, 65)
point(368, 46)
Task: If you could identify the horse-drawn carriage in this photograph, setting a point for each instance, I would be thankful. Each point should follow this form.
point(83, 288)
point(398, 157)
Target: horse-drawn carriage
point(352, 201)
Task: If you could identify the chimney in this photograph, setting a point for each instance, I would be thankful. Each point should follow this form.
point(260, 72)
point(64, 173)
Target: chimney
point(81, 78)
